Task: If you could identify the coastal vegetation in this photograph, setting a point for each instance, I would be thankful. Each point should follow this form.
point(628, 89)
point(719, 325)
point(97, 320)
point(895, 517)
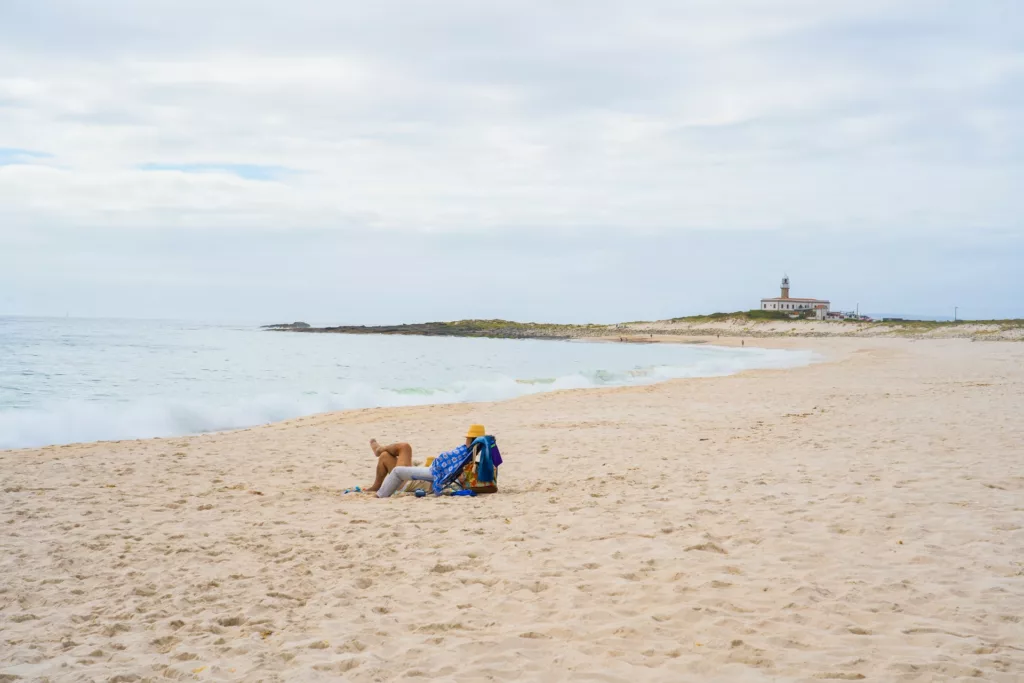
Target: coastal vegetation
point(753, 314)
point(755, 323)
point(504, 329)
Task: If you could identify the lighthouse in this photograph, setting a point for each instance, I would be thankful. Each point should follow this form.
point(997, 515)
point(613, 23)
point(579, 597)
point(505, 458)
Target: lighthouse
point(798, 306)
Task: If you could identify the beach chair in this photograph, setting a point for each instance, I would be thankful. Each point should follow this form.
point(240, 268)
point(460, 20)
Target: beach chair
point(477, 473)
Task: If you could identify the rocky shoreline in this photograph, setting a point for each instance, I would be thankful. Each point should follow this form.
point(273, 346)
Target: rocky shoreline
point(499, 329)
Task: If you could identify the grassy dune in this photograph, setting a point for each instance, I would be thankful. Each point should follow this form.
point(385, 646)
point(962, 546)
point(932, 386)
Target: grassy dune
point(738, 324)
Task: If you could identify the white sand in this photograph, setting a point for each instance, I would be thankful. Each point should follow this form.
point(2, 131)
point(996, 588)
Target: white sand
point(861, 518)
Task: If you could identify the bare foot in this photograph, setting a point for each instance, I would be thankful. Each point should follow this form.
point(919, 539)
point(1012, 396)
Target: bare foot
point(374, 446)
point(370, 489)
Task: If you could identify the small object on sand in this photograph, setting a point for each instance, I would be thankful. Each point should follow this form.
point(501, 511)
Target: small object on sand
point(420, 493)
point(465, 492)
point(357, 489)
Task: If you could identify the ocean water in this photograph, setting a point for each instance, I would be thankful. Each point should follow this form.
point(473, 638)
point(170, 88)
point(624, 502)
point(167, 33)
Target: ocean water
point(65, 380)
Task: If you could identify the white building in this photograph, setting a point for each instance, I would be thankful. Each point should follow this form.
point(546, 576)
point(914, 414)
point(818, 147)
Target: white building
point(788, 304)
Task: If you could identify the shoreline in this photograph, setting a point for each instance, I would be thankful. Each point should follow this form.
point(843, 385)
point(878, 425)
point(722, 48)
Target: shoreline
point(857, 518)
point(598, 340)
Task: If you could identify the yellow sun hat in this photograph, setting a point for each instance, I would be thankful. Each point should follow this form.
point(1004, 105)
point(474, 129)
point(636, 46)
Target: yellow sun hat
point(475, 431)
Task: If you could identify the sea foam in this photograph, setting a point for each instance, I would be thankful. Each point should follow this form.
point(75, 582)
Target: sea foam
point(79, 421)
point(73, 380)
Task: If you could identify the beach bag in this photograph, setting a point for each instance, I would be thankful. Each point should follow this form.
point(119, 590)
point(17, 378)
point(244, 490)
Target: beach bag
point(481, 474)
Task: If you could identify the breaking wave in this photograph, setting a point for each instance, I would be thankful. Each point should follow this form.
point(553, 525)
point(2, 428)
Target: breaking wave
point(78, 421)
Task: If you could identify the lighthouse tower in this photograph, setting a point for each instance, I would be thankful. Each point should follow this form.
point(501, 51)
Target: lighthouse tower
point(799, 306)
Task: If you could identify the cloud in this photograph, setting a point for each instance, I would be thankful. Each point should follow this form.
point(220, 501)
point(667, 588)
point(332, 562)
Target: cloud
point(350, 275)
point(847, 121)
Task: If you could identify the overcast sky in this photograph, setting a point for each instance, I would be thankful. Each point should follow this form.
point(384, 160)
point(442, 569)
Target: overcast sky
point(395, 161)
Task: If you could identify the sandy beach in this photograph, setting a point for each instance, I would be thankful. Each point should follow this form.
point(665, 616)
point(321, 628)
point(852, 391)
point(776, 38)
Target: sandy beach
point(859, 518)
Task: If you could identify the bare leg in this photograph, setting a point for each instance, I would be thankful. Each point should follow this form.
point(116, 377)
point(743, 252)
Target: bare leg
point(401, 450)
point(385, 463)
point(404, 454)
point(388, 458)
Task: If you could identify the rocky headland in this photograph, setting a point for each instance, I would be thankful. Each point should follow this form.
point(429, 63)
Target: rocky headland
point(715, 325)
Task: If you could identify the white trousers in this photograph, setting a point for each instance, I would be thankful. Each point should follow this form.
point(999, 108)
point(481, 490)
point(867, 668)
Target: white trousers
point(398, 476)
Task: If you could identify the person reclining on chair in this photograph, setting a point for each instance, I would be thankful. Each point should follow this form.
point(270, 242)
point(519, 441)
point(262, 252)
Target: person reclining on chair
point(394, 465)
